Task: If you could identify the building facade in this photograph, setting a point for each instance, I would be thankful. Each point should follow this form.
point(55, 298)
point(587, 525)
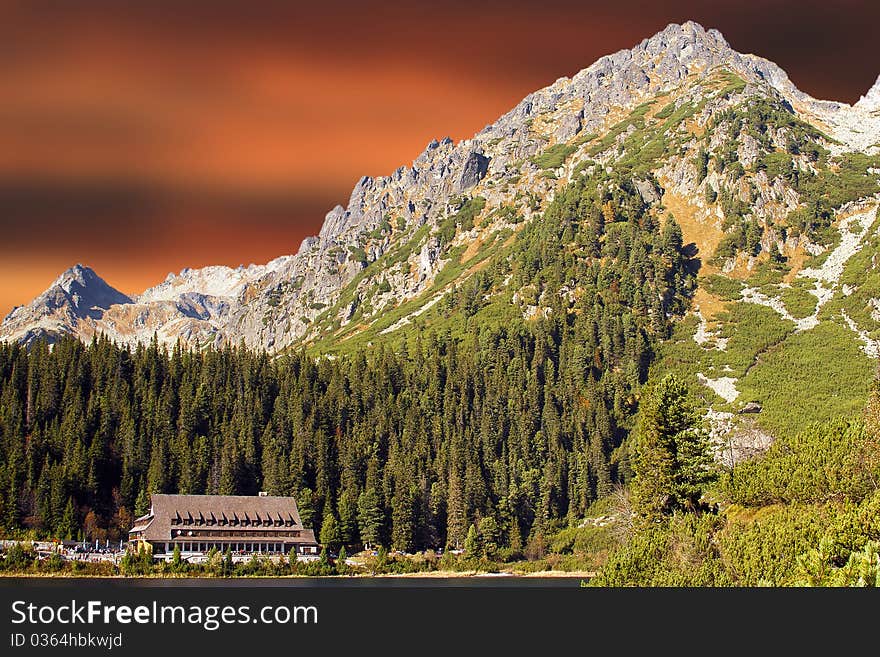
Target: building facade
point(243, 524)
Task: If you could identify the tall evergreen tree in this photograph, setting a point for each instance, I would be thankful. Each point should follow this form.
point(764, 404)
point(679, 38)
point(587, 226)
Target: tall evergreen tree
point(672, 461)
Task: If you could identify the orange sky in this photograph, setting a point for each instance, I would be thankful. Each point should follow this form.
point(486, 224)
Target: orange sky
point(163, 137)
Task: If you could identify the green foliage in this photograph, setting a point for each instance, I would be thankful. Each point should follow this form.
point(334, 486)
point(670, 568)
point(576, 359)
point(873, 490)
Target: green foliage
point(330, 537)
point(473, 546)
point(763, 548)
point(862, 568)
point(358, 254)
point(821, 372)
point(554, 156)
point(733, 84)
point(462, 218)
point(823, 462)
point(728, 289)
point(665, 112)
point(671, 456)
point(799, 302)
point(679, 551)
point(589, 544)
point(583, 138)
point(702, 165)
point(768, 272)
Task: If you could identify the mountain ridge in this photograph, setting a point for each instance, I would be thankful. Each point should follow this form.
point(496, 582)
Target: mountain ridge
point(304, 297)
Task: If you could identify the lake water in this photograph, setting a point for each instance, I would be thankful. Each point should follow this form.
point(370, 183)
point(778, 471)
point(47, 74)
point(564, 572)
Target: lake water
point(482, 581)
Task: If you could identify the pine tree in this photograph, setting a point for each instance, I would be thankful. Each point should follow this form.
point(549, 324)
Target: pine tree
point(67, 526)
point(228, 564)
point(671, 457)
point(306, 505)
point(402, 520)
point(330, 530)
point(142, 505)
point(370, 519)
point(472, 544)
point(348, 528)
point(341, 566)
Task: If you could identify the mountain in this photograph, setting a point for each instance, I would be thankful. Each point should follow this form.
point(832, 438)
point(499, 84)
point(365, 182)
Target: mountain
point(776, 194)
point(71, 304)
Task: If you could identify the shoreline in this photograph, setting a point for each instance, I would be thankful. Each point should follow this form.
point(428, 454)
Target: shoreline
point(436, 574)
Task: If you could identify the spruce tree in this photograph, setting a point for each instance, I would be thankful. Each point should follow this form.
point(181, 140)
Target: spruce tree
point(330, 530)
point(370, 519)
point(472, 544)
point(142, 505)
point(341, 566)
point(671, 459)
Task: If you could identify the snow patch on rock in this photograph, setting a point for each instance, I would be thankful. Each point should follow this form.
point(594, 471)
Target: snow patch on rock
point(853, 230)
point(869, 346)
point(706, 338)
point(724, 387)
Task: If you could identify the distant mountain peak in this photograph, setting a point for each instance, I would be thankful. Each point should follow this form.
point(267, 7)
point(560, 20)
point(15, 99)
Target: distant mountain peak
point(78, 275)
point(870, 102)
point(86, 293)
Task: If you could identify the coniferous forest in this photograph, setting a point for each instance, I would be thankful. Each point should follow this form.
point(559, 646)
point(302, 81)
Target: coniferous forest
point(511, 428)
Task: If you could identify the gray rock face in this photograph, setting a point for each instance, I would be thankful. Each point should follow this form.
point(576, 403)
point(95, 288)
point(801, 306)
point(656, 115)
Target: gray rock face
point(569, 127)
point(870, 102)
point(84, 292)
point(646, 190)
point(475, 167)
point(78, 295)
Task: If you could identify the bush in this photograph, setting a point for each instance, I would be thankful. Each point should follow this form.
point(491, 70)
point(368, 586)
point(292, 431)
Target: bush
point(824, 462)
point(554, 157)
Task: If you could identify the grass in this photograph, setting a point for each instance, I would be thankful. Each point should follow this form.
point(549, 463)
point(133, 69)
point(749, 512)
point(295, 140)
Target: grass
point(768, 272)
point(810, 377)
point(728, 289)
point(861, 275)
point(733, 84)
point(554, 157)
point(750, 330)
point(799, 302)
point(583, 138)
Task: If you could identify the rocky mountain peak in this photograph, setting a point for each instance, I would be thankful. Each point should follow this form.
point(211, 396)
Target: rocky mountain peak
point(84, 292)
point(78, 275)
point(870, 102)
point(689, 35)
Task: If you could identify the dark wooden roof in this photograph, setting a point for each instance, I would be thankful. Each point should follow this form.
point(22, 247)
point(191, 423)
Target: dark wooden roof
point(246, 514)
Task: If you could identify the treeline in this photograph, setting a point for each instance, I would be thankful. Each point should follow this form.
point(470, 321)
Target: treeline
point(510, 429)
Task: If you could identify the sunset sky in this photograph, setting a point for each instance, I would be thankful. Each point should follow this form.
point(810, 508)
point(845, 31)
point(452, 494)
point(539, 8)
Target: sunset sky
point(143, 142)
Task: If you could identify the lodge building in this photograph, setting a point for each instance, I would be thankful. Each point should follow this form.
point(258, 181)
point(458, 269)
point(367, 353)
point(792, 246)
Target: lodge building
point(244, 524)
